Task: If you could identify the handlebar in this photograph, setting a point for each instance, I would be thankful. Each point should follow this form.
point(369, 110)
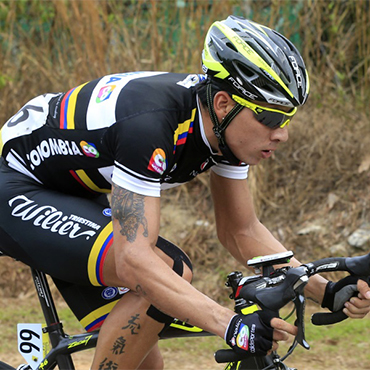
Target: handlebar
point(275, 288)
point(356, 266)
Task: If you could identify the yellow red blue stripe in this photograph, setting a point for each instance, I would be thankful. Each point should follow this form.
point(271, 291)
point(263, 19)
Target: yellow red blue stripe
point(95, 319)
point(68, 108)
point(97, 255)
point(182, 131)
point(86, 182)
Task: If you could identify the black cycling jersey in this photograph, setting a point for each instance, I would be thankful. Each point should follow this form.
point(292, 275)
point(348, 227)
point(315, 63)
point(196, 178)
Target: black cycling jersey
point(141, 130)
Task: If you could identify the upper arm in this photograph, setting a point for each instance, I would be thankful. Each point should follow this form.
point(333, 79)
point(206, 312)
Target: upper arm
point(135, 226)
point(238, 227)
point(136, 216)
point(233, 203)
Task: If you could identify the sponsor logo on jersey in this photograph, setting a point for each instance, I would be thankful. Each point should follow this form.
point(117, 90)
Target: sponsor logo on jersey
point(174, 167)
point(51, 147)
point(191, 80)
point(50, 218)
point(157, 162)
point(89, 149)
point(204, 165)
point(104, 93)
point(109, 292)
point(252, 337)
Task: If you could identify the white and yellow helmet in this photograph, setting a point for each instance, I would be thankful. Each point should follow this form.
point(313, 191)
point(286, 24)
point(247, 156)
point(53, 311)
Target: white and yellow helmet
point(255, 62)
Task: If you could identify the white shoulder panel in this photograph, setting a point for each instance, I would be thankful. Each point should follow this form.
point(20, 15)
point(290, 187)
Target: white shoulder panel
point(105, 95)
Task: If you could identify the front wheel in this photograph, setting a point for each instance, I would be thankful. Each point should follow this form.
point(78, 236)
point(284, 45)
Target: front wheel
point(4, 366)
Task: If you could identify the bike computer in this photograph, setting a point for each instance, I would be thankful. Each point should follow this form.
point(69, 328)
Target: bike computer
point(271, 259)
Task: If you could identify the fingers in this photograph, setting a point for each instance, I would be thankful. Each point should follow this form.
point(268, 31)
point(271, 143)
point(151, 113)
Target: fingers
point(359, 307)
point(284, 326)
point(282, 332)
point(275, 346)
point(364, 289)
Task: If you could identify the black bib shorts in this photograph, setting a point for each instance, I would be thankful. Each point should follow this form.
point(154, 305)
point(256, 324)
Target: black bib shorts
point(66, 237)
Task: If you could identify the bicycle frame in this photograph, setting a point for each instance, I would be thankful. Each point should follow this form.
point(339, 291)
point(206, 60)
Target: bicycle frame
point(62, 344)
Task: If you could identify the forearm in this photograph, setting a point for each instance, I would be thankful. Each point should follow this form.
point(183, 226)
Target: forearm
point(151, 277)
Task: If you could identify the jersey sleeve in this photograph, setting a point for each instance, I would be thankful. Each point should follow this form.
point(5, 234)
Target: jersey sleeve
point(231, 172)
point(142, 149)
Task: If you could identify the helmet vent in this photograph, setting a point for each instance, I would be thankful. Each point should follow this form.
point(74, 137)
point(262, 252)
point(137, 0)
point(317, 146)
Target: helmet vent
point(260, 82)
point(231, 46)
point(268, 88)
point(244, 70)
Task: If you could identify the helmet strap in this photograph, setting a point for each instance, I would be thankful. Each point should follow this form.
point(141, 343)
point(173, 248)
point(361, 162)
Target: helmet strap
point(220, 127)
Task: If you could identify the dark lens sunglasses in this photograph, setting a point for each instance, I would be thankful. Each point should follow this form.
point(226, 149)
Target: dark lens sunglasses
point(269, 117)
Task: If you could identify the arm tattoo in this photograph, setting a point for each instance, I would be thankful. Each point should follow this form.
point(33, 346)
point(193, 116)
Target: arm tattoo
point(140, 290)
point(128, 209)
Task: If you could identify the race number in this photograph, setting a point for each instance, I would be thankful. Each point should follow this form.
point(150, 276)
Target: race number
point(31, 117)
point(32, 343)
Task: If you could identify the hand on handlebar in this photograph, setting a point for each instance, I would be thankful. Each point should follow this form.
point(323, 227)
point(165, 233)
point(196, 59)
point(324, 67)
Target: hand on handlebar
point(358, 307)
point(257, 334)
point(351, 294)
point(250, 334)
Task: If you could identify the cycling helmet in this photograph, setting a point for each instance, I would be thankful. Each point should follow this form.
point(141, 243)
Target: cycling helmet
point(253, 62)
point(256, 62)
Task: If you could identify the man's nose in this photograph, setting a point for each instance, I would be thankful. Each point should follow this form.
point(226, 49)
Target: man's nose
point(280, 134)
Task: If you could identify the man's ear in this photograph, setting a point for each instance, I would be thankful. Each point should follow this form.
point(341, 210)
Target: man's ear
point(222, 104)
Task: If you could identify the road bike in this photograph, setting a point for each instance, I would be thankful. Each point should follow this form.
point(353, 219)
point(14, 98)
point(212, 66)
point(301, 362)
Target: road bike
point(271, 288)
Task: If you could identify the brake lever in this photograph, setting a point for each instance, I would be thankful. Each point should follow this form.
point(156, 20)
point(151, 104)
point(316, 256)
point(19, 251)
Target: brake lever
point(300, 305)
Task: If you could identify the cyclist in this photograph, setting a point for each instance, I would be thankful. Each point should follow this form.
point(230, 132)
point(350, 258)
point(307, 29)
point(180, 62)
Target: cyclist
point(135, 134)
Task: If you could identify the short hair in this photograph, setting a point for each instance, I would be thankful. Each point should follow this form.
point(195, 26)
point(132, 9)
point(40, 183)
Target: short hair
point(201, 89)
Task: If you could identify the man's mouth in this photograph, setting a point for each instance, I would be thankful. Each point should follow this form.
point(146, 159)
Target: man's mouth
point(266, 153)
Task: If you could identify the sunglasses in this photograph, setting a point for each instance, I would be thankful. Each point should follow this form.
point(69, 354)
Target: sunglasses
point(270, 117)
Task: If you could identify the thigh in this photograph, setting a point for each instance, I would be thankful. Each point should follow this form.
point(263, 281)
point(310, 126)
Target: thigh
point(65, 236)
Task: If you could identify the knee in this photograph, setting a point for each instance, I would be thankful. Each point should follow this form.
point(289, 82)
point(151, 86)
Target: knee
point(157, 363)
point(153, 360)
